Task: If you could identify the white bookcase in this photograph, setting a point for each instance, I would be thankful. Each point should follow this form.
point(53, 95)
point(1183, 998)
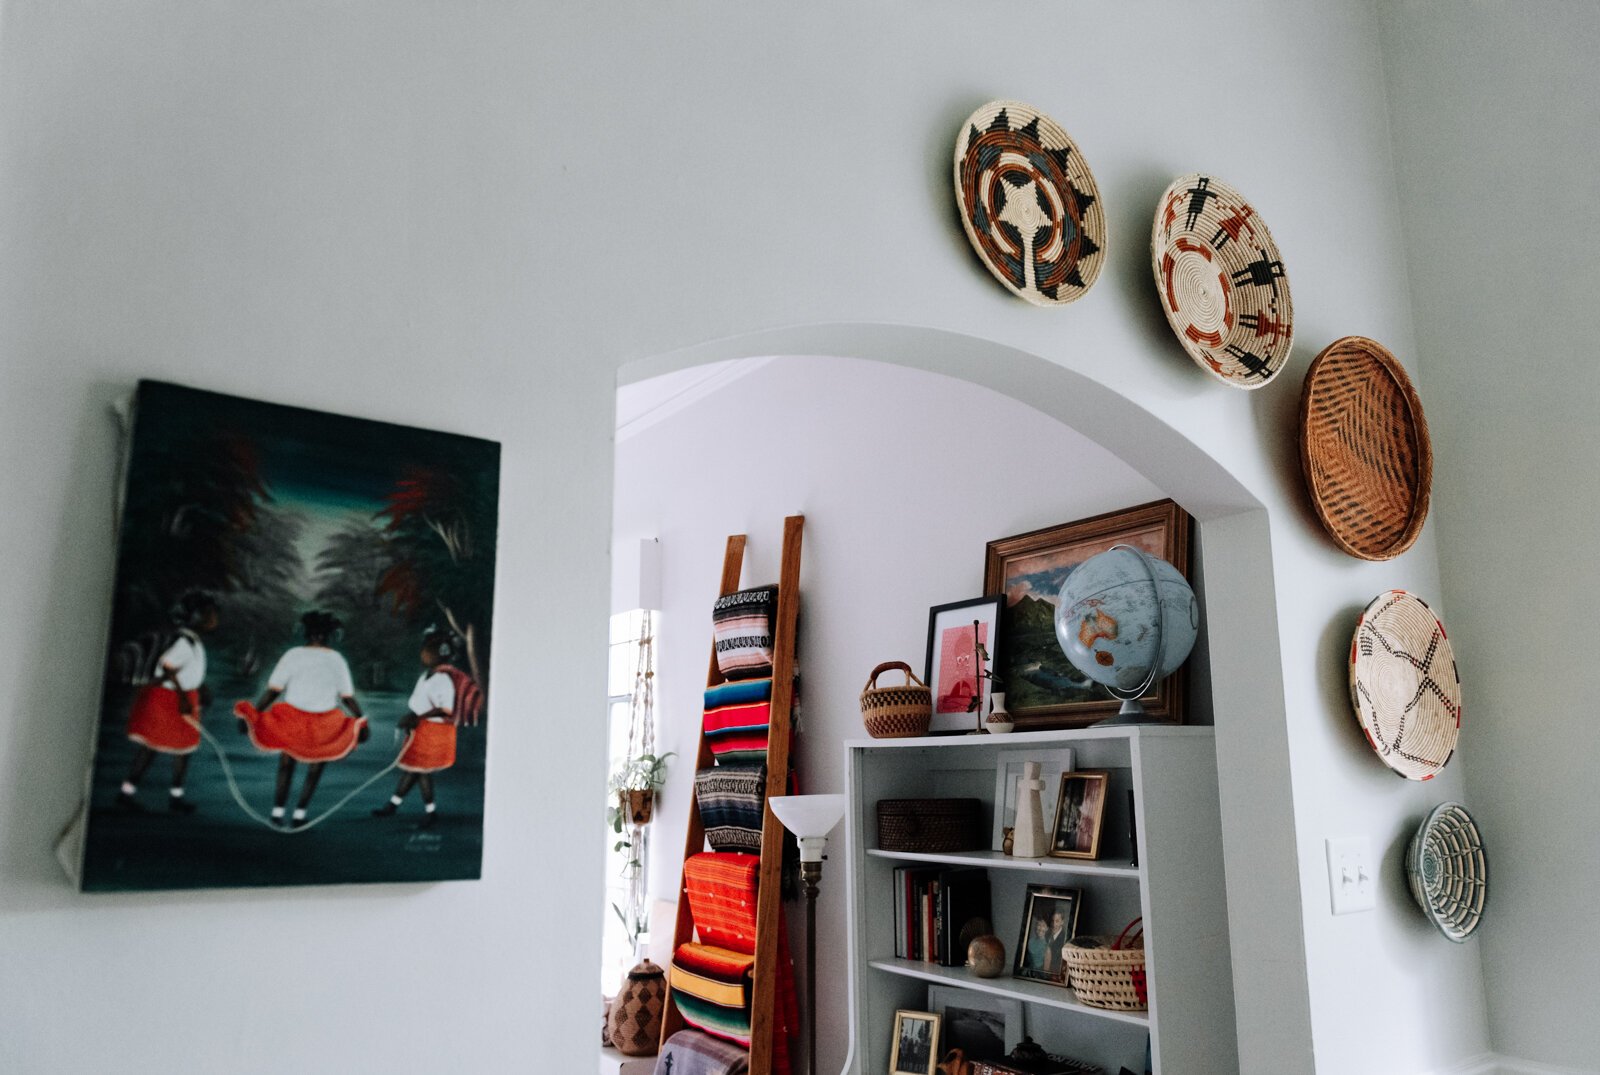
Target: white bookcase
point(1177, 887)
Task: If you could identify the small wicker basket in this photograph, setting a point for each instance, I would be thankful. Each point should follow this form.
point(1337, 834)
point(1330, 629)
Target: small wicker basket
point(1108, 972)
point(896, 712)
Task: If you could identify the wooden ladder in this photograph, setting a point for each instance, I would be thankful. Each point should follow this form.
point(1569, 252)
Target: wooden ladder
point(764, 995)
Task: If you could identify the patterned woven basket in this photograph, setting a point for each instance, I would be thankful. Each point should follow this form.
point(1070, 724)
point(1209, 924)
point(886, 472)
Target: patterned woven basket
point(1404, 685)
point(896, 712)
point(1365, 449)
point(1108, 972)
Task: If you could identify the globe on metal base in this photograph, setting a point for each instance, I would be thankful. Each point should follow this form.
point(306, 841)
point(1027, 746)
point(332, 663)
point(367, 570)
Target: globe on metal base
point(1125, 619)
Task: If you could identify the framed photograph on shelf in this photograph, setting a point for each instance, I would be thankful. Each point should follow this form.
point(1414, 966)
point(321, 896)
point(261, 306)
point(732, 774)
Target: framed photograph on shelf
point(1007, 770)
point(1049, 920)
point(916, 1043)
point(962, 646)
point(1080, 814)
point(1043, 689)
point(982, 1026)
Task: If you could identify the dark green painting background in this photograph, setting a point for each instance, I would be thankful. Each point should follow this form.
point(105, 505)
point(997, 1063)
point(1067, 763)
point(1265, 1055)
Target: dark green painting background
point(276, 510)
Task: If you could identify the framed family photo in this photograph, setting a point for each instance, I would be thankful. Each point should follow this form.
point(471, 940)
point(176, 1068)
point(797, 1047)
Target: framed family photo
point(962, 645)
point(1043, 689)
point(1080, 815)
point(1049, 920)
point(916, 1043)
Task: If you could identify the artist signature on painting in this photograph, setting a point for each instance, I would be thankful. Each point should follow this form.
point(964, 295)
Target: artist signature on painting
point(425, 842)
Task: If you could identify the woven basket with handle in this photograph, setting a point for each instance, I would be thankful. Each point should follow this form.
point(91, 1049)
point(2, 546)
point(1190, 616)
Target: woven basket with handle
point(896, 712)
point(1108, 972)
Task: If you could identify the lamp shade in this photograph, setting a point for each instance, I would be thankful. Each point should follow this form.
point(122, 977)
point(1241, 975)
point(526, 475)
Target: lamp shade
point(808, 816)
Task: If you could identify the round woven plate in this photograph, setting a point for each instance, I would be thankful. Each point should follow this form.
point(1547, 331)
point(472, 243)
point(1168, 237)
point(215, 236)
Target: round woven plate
point(1221, 281)
point(1448, 871)
point(1029, 203)
point(1365, 450)
point(1404, 686)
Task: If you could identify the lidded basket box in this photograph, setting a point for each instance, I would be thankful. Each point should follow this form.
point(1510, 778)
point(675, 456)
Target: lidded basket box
point(896, 712)
point(931, 825)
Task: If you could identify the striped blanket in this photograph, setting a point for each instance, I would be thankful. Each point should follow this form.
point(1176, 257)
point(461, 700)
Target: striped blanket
point(690, 1052)
point(742, 624)
point(721, 887)
point(737, 719)
point(732, 801)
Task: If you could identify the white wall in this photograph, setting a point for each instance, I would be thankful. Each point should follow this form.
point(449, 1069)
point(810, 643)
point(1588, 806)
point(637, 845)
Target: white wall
point(468, 216)
point(1497, 123)
point(903, 477)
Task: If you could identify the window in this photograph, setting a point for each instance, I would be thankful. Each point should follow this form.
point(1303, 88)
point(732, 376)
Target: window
point(627, 889)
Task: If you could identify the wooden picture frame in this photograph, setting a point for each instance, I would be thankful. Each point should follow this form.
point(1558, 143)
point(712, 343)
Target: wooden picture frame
point(915, 1049)
point(1080, 814)
point(1049, 922)
point(1043, 689)
point(950, 666)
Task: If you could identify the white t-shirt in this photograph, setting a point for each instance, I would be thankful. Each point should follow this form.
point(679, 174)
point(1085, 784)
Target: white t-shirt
point(312, 678)
point(433, 691)
point(186, 659)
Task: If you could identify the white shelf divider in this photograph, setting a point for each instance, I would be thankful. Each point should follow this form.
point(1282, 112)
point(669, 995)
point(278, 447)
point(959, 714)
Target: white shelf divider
point(1051, 996)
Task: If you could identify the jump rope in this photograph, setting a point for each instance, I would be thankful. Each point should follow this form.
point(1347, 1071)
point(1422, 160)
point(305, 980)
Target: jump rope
point(310, 823)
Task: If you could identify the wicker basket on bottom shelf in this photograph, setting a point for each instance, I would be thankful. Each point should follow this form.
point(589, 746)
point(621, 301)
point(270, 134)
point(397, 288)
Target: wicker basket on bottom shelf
point(1108, 972)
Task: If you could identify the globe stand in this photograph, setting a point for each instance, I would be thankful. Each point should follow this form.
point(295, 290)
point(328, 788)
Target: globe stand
point(1133, 712)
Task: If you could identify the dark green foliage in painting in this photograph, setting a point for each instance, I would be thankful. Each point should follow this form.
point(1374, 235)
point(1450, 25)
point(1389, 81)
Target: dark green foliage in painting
point(379, 645)
point(440, 523)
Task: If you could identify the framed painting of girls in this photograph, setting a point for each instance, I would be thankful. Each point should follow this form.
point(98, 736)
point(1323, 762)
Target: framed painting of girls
point(301, 631)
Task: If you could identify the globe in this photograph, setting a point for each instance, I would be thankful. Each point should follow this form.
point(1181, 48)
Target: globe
point(1116, 609)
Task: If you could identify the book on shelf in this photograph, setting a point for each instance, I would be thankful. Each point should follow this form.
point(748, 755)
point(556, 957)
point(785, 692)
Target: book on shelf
point(932, 907)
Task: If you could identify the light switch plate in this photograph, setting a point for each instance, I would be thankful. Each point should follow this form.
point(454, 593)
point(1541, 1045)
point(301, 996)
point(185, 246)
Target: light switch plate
point(1352, 875)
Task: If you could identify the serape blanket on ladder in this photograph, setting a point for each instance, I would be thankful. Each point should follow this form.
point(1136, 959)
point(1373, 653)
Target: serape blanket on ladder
point(742, 624)
point(738, 717)
point(721, 888)
point(732, 800)
point(693, 1052)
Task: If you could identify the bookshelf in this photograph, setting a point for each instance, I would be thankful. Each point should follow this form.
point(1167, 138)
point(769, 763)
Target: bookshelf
point(1176, 886)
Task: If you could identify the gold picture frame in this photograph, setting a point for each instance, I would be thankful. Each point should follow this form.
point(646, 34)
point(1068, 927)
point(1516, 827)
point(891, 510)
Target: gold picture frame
point(915, 1049)
point(1080, 814)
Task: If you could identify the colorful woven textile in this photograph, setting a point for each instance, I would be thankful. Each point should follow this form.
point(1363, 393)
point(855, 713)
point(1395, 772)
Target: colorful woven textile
point(722, 898)
point(742, 624)
point(732, 801)
point(692, 1052)
point(714, 975)
point(737, 717)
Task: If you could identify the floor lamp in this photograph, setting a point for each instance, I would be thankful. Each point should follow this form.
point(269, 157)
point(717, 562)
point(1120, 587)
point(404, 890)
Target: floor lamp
point(810, 818)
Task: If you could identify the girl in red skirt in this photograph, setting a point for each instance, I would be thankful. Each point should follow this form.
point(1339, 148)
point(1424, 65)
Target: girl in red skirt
point(165, 718)
point(299, 717)
point(443, 698)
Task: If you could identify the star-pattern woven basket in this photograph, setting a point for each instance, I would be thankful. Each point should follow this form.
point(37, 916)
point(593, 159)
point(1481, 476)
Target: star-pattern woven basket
point(1448, 871)
point(1404, 685)
point(1221, 281)
point(1365, 450)
point(1029, 203)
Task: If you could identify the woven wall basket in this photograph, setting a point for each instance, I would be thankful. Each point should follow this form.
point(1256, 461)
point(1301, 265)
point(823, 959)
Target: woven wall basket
point(1365, 450)
point(1221, 281)
point(1448, 871)
point(1404, 685)
point(1029, 203)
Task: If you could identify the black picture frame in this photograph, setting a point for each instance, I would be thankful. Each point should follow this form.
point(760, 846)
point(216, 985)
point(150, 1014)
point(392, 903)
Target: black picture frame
point(1038, 955)
point(954, 616)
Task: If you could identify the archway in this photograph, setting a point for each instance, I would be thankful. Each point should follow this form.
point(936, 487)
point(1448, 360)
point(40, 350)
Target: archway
point(1260, 856)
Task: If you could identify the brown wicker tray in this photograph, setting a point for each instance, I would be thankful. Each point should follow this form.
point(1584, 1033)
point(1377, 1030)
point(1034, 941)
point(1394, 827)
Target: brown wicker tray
point(931, 825)
point(1365, 450)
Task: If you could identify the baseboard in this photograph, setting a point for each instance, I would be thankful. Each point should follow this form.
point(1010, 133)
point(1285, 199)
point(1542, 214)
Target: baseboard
point(1490, 1064)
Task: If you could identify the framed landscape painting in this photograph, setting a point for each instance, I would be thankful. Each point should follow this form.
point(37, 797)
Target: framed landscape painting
point(1043, 689)
point(299, 655)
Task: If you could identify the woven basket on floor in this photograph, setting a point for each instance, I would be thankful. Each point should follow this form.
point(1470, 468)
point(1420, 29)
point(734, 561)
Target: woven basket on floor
point(1365, 450)
point(896, 712)
point(1404, 685)
point(1221, 281)
point(1108, 972)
